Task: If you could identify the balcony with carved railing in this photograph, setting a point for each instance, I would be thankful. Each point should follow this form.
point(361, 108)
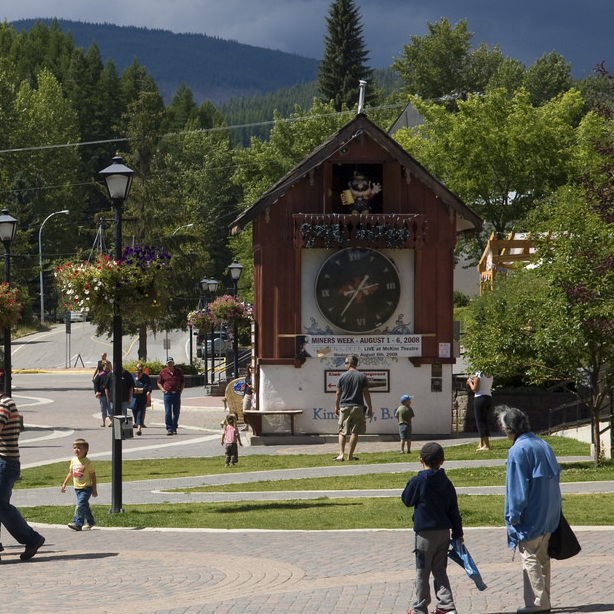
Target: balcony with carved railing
point(376, 231)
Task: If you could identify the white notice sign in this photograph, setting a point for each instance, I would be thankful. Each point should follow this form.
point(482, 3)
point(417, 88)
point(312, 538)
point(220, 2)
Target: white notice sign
point(364, 346)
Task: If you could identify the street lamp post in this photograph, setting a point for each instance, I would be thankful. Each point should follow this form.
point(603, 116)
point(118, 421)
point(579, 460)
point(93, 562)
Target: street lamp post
point(8, 226)
point(235, 270)
point(204, 285)
point(209, 287)
point(40, 260)
point(118, 179)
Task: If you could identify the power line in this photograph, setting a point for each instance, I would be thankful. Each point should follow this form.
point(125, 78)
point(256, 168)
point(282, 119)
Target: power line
point(170, 135)
point(198, 131)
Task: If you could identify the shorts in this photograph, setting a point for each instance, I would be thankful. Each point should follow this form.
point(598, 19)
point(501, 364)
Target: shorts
point(352, 420)
point(405, 432)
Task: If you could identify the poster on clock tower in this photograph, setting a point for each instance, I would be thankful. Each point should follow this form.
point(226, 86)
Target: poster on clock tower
point(364, 346)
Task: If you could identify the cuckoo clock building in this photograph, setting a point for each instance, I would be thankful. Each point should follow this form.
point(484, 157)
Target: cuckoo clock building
point(354, 254)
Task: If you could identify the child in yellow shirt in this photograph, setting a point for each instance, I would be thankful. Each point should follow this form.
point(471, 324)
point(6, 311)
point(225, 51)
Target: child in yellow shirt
point(84, 480)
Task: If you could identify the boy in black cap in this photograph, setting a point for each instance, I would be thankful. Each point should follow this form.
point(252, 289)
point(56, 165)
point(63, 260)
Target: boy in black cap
point(433, 498)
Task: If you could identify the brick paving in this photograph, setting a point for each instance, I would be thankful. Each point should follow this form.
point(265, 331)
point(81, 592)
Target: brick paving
point(197, 571)
point(263, 572)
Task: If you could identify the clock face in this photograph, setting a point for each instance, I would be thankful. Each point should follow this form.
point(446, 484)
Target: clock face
point(357, 290)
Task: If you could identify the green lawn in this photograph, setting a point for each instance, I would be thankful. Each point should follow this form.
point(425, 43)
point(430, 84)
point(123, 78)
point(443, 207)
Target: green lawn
point(320, 513)
point(480, 476)
point(149, 469)
point(314, 514)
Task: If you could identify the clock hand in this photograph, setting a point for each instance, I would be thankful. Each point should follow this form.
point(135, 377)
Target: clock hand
point(356, 293)
point(347, 292)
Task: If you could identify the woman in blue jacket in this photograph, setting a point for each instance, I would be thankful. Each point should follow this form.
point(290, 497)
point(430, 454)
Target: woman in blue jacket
point(532, 505)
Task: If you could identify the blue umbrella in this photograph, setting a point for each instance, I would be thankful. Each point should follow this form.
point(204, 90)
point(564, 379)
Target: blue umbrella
point(459, 554)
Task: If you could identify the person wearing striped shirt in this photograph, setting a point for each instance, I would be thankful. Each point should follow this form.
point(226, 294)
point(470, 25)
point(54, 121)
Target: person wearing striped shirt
point(10, 469)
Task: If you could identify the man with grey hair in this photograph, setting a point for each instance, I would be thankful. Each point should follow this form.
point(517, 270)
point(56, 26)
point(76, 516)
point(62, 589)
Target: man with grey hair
point(532, 505)
point(352, 392)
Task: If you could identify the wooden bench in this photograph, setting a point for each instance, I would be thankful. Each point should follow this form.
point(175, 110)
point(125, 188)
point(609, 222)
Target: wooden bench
point(253, 417)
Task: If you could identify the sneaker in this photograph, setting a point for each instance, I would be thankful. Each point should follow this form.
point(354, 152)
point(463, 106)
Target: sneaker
point(174, 431)
point(169, 432)
point(73, 526)
point(532, 609)
point(439, 611)
point(30, 551)
point(88, 527)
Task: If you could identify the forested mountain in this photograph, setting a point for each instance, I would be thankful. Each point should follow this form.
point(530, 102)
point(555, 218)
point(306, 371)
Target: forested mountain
point(246, 83)
point(253, 116)
point(214, 69)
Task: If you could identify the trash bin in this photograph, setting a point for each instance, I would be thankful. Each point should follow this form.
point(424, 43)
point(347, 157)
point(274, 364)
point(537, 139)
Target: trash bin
point(122, 427)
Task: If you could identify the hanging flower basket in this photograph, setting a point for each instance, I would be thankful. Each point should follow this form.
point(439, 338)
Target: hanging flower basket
point(138, 283)
point(10, 307)
point(229, 310)
point(200, 319)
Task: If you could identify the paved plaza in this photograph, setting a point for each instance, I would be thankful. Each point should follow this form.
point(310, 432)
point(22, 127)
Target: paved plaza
point(235, 571)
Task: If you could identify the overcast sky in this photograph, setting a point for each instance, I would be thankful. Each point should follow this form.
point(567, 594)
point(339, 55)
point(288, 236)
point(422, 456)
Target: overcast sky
point(526, 29)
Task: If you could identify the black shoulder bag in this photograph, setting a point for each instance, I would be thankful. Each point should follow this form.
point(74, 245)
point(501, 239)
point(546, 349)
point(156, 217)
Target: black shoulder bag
point(563, 543)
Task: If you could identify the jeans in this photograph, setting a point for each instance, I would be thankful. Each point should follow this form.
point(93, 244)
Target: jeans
point(9, 514)
point(83, 511)
point(172, 406)
point(105, 407)
point(139, 414)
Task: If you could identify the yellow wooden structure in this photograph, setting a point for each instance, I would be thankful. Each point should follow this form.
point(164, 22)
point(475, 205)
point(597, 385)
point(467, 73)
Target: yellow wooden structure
point(501, 255)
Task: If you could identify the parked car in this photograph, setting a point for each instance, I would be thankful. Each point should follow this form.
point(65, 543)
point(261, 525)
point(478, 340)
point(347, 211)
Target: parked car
point(221, 343)
point(77, 316)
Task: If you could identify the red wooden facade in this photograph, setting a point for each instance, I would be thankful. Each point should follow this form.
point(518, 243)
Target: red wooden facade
point(414, 206)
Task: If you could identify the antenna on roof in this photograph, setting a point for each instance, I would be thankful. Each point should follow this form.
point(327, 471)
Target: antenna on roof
point(362, 86)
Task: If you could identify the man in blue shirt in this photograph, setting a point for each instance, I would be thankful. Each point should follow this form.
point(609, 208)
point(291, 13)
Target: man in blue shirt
point(532, 505)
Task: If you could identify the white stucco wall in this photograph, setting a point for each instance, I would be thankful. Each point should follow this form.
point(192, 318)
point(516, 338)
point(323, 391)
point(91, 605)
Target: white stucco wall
point(286, 387)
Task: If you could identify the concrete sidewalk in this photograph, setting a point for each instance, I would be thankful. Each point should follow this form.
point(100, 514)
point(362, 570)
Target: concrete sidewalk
point(163, 490)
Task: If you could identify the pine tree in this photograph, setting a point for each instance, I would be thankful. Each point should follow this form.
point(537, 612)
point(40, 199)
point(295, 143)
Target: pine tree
point(345, 56)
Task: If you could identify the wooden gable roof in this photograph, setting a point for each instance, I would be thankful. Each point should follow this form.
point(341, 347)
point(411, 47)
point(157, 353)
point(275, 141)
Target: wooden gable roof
point(358, 126)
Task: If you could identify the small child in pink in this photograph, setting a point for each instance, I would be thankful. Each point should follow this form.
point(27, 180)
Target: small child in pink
point(230, 438)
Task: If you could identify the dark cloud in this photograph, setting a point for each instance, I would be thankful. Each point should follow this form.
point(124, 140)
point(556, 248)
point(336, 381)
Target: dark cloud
point(526, 29)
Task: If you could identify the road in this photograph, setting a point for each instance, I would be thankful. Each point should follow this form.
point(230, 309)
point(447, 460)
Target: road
point(57, 407)
point(82, 347)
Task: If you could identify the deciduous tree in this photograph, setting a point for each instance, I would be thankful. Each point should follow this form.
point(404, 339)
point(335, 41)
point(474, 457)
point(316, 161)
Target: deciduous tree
point(442, 62)
point(501, 155)
point(554, 320)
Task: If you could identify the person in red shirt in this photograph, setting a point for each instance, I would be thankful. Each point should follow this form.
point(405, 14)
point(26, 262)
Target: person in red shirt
point(171, 382)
